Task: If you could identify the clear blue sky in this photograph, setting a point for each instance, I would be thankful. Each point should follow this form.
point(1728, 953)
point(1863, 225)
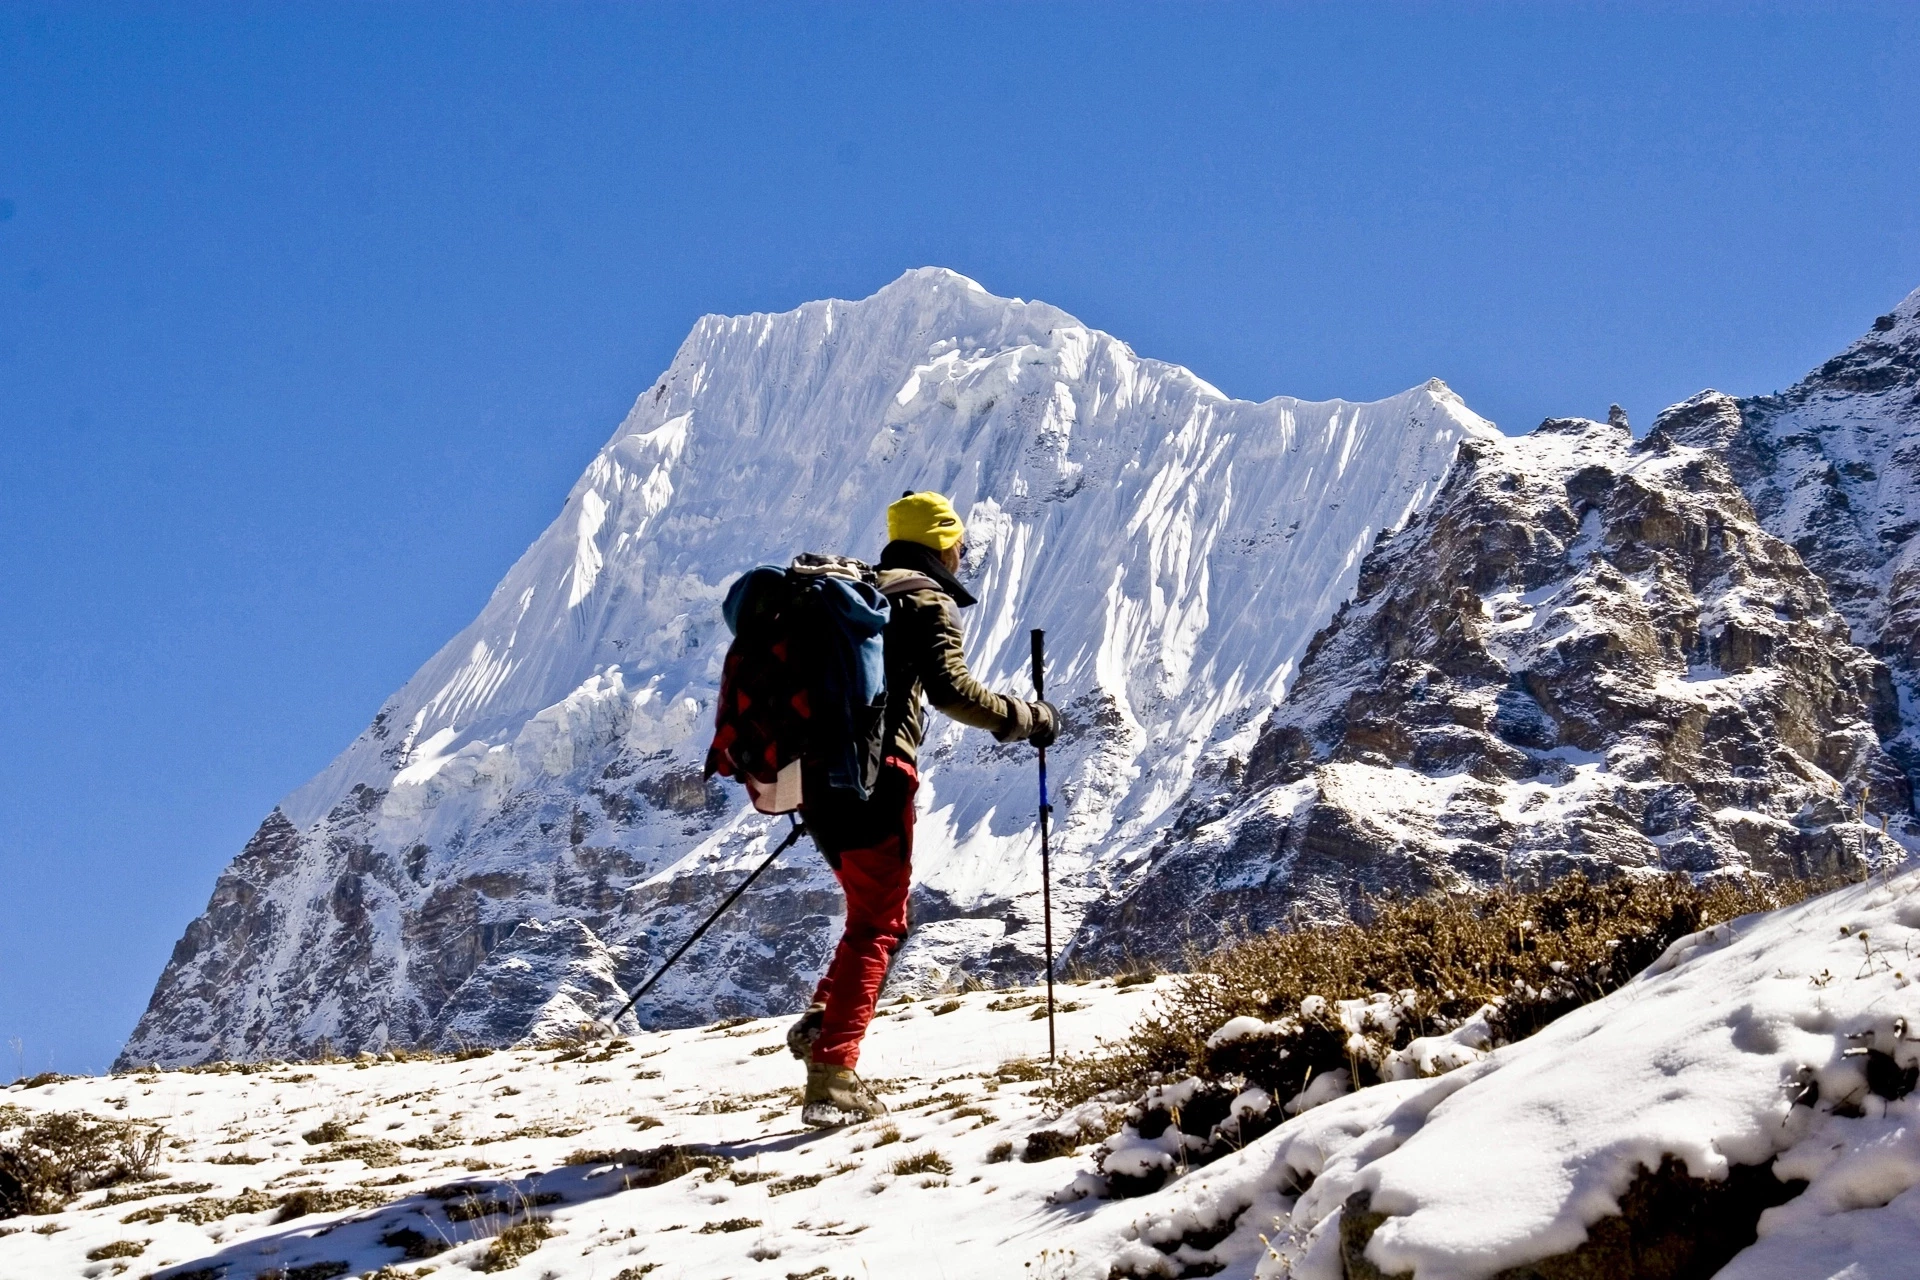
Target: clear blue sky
point(308, 318)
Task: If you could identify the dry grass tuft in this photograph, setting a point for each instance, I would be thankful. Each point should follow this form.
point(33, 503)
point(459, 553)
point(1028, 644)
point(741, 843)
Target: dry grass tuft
point(334, 1130)
point(515, 1243)
point(798, 1182)
point(655, 1165)
point(923, 1162)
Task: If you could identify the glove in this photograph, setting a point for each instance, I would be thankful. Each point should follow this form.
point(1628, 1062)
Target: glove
point(1046, 724)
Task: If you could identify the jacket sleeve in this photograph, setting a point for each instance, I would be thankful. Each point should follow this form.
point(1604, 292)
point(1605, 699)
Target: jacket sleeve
point(949, 685)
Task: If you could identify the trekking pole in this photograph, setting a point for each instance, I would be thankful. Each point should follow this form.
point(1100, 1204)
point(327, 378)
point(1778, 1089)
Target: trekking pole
point(1046, 812)
point(799, 829)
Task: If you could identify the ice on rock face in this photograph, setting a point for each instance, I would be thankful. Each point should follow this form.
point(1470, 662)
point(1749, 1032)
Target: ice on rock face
point(1179, 547)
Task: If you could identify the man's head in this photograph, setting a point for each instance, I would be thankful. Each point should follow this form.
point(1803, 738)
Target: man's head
point(930, 520)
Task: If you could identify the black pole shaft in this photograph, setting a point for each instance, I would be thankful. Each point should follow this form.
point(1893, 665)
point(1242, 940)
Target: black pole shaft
point(1046, 814)
point(793, 835)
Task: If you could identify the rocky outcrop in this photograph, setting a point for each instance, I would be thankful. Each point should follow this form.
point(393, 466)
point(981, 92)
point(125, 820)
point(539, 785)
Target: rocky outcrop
point(548, 980)
point(1586, 654)
point(1670, 1226)
point(1832, 466)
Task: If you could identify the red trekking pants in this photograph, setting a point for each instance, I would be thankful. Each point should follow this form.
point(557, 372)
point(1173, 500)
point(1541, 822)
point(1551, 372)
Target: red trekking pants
point(875, 881)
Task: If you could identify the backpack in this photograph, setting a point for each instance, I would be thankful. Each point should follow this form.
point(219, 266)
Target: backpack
point(803, 692)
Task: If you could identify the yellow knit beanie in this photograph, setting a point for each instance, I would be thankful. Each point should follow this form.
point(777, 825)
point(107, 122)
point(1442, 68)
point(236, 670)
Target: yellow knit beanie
point(926, 518)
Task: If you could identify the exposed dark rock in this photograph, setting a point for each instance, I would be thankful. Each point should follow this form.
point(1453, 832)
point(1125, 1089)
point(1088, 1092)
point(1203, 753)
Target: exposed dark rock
point(1832, 466)
point(1671, 1226)
point(1586, 655)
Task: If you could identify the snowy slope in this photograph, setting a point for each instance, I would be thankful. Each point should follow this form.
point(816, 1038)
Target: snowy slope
point(503, 1127)
point(1774, 1054)
point(1767, 1052)
point(1179, 547)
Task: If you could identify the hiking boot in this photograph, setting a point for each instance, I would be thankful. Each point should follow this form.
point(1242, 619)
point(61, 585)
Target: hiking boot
point(836, 1096)
point(806, 1030)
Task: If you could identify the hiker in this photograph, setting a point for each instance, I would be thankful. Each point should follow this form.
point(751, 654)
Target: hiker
point(869, 843)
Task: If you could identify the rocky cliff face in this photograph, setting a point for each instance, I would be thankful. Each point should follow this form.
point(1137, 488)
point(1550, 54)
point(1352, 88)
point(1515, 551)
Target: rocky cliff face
point(1180, 548)
point(1585, 654)
point(1832, 466)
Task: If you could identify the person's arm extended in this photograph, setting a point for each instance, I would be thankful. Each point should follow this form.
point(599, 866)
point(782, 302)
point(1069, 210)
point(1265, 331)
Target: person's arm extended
point(949, 685)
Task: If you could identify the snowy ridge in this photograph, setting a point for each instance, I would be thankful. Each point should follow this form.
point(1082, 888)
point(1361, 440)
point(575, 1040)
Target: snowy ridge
point(1749, 1046)
point(1179, 547)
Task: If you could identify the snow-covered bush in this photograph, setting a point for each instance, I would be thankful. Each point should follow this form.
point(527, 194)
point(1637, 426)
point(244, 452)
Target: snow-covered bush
point(1288, 1019)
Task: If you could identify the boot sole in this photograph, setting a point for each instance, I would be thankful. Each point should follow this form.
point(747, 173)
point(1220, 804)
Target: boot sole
point(824, 1115)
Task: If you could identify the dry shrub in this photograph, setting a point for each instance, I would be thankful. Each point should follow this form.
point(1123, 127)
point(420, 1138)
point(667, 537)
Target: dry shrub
point(48, 1159)
point(924, 1162)
point(1533, 955)
point(656, 1164)
point(377, 1153)
point(205, 1209)
point(514, 1243)
point(334, 1130)
point(298, 1204)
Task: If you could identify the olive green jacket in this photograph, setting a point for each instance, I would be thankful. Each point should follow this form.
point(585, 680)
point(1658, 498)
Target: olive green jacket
point(924, 659)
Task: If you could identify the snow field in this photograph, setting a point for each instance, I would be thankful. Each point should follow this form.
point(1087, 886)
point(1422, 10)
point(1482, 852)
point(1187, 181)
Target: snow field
point(1785, 1037)
point(503, 1126)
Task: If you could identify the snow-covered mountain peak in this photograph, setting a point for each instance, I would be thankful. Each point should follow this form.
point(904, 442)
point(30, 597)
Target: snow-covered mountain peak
point(1179, 547)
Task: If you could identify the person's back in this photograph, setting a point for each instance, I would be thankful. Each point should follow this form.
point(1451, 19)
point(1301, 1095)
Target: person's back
point(869, 842)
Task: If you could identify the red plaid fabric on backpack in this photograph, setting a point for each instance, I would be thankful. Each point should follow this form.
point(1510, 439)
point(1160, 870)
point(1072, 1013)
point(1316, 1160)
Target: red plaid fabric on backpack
point(761, 722)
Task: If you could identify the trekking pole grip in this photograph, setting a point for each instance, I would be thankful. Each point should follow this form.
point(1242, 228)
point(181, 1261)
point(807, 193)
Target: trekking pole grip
point(1039, 663)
